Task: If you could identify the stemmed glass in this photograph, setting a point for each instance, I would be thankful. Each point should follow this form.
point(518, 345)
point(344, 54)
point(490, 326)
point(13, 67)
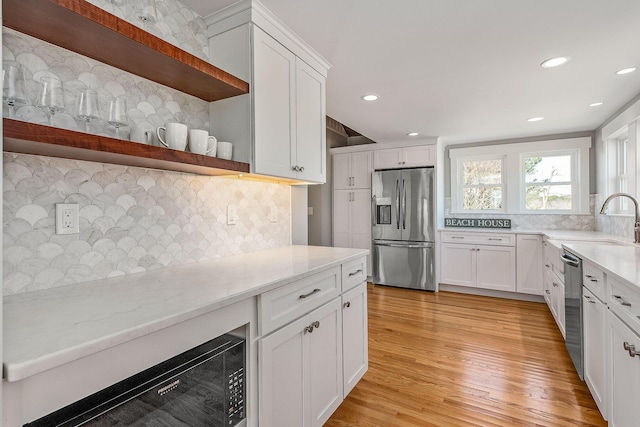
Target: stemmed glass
point(14, 86)
point(87, 107)
point(117, 114)
point(51, 96)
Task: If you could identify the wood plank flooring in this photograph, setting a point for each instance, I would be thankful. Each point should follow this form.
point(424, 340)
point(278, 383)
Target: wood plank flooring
point(446, 359)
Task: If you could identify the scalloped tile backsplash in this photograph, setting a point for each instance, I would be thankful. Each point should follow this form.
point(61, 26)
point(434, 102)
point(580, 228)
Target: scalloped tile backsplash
point(131, 220)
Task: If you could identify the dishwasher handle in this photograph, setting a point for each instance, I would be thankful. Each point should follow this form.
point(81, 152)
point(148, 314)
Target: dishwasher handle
point(569, 260)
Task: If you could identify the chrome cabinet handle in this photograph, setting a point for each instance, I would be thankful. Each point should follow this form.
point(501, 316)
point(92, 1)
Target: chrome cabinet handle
point(555, 285)
point(310, 293)
point(355, 272)
point(311, 327)
point(631, 349)
point(547, 291)
point(589, 299)
point(492, 238)
point(622, 301)
point(593, 280)
point(457, 237)
point(347, 304)
point(588, 276)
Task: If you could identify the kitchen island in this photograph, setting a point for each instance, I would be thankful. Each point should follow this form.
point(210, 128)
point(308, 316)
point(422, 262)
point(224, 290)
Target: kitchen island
point(86, 337)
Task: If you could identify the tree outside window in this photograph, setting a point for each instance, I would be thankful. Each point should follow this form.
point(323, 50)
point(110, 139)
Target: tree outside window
point(482, 184)
point(548, 182)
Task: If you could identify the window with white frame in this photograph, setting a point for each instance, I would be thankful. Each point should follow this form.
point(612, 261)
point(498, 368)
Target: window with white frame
point(621, 171)
point(482, 184)
point(549, 181)
point(530, 177)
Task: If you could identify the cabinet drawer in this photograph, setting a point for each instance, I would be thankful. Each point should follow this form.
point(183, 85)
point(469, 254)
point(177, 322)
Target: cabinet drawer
point(593, 279)
point(624, 301)
point(496, 239)
point(286, 303)
point(353, 273)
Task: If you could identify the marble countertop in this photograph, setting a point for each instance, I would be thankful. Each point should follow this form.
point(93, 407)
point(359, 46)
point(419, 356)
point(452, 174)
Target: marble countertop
point(45, 329)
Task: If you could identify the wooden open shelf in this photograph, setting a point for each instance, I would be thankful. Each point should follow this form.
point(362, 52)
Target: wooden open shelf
point(30, 138)
point(81, 27)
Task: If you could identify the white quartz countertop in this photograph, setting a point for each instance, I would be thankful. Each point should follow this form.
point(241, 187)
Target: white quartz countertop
point(45, 329)
point(551, 234)
point(622, 261)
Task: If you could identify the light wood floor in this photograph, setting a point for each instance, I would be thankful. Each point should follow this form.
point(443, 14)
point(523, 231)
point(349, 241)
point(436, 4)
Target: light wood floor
point(450, 359)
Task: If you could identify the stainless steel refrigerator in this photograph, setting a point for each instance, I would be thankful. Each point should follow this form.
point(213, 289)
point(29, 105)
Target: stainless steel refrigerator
point(403, 228)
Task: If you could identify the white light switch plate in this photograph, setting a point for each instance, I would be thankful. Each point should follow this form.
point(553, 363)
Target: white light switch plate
point(67, 218)
point(232, 215)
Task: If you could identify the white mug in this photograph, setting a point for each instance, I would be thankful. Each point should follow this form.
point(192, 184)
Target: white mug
point(176, 134)
point(224, 150)
point(200, 142)
point(141, 135)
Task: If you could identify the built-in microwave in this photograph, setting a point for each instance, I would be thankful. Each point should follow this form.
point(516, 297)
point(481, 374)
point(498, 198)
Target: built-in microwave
point(204, 386)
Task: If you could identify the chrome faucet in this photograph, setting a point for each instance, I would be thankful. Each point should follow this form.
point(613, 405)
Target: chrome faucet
point(636, 225)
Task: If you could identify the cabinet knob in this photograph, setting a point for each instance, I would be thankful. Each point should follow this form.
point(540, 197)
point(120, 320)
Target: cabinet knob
point(347, 304)
point(301, 168)
point(296, 168)
point(547, 291)
point(312, 326)
point(555, 285)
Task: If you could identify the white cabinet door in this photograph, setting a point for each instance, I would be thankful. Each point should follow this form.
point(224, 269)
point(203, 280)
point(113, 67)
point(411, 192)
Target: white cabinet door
point(594, 332)
point(324, 362)
point(273, 97)
point(458, 264)
point(284, 376)
point(420, 155)
point(301, 370)
point(341, 171)
point(355, 359)
point(341, 215)
point(361, 168)
point(546, 283)
point(309, 150)
point(496, 268)
point(388, 158)
point(352, 220)
point(352, 170)
point(529, 264)
point(625, 375)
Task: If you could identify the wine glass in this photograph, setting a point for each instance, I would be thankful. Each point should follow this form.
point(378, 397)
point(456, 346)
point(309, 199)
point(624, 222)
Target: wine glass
point(117, 113)
point(87, 107)
point(51, 96)
point(14, 92)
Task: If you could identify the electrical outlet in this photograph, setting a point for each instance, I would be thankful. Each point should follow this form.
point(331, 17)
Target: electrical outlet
point(232, 215)
point(67, 218)
point(273, 214)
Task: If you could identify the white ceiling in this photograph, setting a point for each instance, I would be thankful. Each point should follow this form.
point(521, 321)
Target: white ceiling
point(468, 70)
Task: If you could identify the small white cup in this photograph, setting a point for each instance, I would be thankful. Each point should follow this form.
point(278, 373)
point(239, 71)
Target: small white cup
point(176, 136)
point(224, 150)
point(200, 142)
point(141, 135)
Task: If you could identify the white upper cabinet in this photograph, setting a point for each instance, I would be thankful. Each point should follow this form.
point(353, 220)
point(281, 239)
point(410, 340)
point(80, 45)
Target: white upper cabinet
point(352, 170)
point(404, 157)
point(280, 126)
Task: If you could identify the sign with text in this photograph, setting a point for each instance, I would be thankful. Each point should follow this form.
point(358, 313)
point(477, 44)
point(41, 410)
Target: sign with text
point(477, 223)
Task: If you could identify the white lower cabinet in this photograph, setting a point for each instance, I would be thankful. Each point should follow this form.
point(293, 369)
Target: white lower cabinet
point(352, 220)
point(529, 264)
point(479, 266)
point(354, 336)
point(301, 370)
point(307, 365)
point(594, 332)
point(625, 375)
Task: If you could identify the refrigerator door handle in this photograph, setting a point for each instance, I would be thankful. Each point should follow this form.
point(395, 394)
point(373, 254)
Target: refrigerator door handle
point(404, 206)
point(398, 204)
point(404, 245)
point(373, 211)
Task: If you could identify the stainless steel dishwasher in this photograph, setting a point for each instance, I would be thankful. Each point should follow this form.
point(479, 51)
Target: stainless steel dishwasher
point(573, 309)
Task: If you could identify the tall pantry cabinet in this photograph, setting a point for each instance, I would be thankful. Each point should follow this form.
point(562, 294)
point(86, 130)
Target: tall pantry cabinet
point(280, 126)
point(352, 201)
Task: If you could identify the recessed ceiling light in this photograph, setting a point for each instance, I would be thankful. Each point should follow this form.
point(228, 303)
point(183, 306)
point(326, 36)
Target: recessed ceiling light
point(596, 104)
point(626, 70)
point(413, 134)
point(535, 119)
point(370, 97)
point(555, 62)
